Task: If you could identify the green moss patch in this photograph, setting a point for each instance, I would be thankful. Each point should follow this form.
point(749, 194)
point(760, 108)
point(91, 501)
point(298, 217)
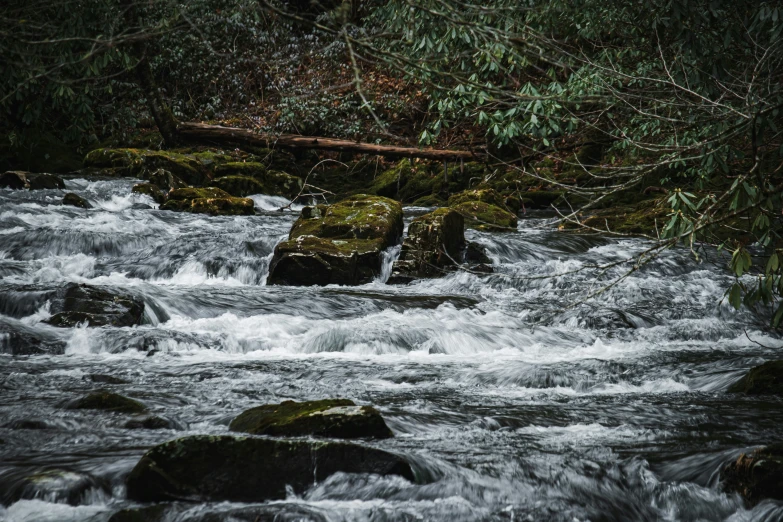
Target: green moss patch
point(483, 216)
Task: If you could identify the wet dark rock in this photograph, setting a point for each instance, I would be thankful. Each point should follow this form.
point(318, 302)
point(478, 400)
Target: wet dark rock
point(14, 179)
point(140, 206)
point(156, 513)
point(243, 469)
point(106, 379)
point(242, 179)
point(208, 200)
point(27, 424)
point(485, 216)
point(338, 418)
point(53, 485)
point(151, 190)
point(20, 339)
point(151, 422)
point(75, 200)
point(766, 379)
point(341, 243)
point(433, 245)
point(77, 303)
point(756, 476)
point(475, 253)
point(108, 401)
point(44, 181)
point(164, 180)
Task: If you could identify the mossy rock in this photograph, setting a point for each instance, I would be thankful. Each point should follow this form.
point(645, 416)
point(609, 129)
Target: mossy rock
point(430, 200)
point(541, 198)
point(756, 476)
point(75, 200)
point(434, 243)
point(485, 195)
point(140, 162)
point(337, 418)
point(250, 169)
point(231, 176)
point(188, 193)
point(151, 190)
point(338, 244)
point(229, 206)
point(406, 181)
point(766, 379)
point(164, 180)
point(107, 401)
point(642, 218)
point(79, 303)
point(248, 469)
point(483, 216)
point(239, 186)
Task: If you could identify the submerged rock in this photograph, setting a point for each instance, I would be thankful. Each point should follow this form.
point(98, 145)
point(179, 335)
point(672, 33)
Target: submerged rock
point(77, 303)
point(151, 190)
point(338, 418)
point(208, 200)
point(341, 243)
point(766, 379)
point(484, 216)
point(756, 476)
point(75, 200)
point(434, 244)
point(151, 422)
point(241, 469)
point(106, 400)
point(53, 485)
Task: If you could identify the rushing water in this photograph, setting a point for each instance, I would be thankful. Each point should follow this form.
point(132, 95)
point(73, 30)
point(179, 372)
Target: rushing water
point(513, 400)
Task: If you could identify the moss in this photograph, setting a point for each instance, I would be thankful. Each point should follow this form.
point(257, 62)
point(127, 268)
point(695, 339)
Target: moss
point(483, 216)
point(223, 206)
point(184, 194)
point(428, 201)
point(239, 186)
point(485, 195)
point(105, 400)
point(138, 162)
point(766, 379)
point(289, 418)
point(250, 169)
point(151, 190)
point(435, 242)
point(389, 181)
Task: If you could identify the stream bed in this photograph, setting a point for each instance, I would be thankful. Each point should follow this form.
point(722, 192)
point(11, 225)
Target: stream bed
point(513, 399)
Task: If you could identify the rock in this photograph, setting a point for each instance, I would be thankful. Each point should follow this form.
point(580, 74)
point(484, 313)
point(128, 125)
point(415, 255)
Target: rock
point(338, 418)
point(27, 424)
point(766, 379)
point(485, 195)
point(54, 485)
point(140, 162)
point(156, 513)
point(108, 401)
point(150, 422)
point(209, 200)
point(14, 179)
point(165, 180)
point(475, 253)
point(756, 476)
point(151, 190)
point(75, 200)
point(434, 243)
point(242, 469)
point(17, 338)
point(265, 181)
point(77, 303)
point(484, 216)
point(341, 243)
point(44, 181)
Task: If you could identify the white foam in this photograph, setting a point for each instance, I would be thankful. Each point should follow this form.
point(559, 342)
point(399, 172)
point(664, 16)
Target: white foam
point(266, 202)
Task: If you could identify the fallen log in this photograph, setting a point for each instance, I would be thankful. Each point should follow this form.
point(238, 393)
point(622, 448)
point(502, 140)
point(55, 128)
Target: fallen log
point(217, 134)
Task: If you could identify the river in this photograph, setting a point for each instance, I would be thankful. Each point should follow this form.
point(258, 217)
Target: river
point(514, 399)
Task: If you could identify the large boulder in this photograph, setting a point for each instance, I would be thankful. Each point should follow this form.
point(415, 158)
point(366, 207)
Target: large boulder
point(766, 379)
point(164, 180)
point(14, 179)
point(107, 401)
point(151, 190)
point(242, 469)
point(341, 243)
point(234, 178)
point(18, 179)
point(140, 163)
point(757, 475)
point(485, 195)
point(338, 418)
point(434, 244)
point(77, 303)
point(54, 485)
point(485, 216)
point(209, 200)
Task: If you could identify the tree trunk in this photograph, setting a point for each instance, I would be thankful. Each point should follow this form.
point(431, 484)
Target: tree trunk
point(218, 135)
point(161, 113)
